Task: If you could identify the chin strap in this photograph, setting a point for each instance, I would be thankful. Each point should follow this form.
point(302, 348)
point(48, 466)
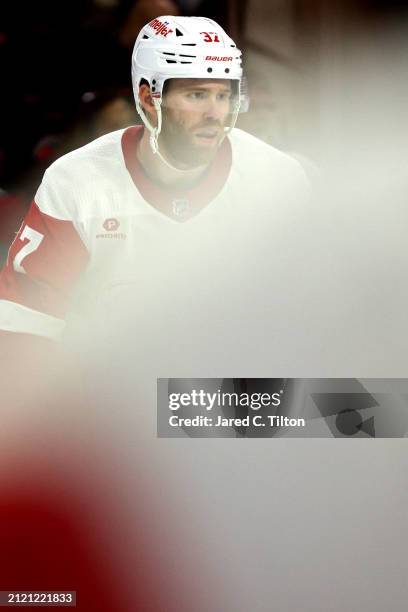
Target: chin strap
point(234, 118)
point(155, 131)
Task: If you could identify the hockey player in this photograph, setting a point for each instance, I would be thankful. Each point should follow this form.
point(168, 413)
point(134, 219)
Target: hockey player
point(171, 223)
point(186, 174)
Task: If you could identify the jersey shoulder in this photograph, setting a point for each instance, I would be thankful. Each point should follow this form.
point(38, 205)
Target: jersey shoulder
point(78, 178)
point(96, 156)
point(254, 155)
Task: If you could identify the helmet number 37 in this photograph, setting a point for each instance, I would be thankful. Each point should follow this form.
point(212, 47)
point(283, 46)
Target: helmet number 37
point(210, 37)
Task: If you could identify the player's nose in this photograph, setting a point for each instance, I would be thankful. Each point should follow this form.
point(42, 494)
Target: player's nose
point(215, 108)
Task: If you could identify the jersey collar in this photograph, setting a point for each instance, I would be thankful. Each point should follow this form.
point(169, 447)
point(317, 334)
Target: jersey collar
point(166, 200)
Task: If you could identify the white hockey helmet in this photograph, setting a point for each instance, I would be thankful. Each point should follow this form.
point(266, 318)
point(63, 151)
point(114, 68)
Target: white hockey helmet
point(171, 47)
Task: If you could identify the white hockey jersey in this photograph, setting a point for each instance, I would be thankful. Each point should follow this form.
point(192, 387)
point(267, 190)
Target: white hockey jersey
point(98, 223)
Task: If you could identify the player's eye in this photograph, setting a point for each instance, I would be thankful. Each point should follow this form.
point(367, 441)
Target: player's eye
point(196, 95)
point(224, 96)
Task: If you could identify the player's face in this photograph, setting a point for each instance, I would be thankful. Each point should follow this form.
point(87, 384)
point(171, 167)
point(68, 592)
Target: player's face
point(195, 112)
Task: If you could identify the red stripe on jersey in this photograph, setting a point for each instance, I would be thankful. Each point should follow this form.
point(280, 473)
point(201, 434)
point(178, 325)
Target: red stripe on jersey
point(44, 275)
point(202, 194)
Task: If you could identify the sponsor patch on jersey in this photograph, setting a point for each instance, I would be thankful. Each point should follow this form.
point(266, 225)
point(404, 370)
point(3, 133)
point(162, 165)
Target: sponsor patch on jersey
point(115, 236)
point(110, 226)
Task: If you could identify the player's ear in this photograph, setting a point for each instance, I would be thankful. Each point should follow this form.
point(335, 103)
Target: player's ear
point(146, 100)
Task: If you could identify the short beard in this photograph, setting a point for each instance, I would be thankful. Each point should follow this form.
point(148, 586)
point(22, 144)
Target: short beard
point(177, 143)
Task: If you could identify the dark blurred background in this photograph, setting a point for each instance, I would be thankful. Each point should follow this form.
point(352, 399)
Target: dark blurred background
point(66, 73)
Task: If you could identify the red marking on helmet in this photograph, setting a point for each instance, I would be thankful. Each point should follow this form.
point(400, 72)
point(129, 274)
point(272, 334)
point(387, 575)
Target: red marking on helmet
point(216, 58)
point(160, 27)
point(210, 37)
